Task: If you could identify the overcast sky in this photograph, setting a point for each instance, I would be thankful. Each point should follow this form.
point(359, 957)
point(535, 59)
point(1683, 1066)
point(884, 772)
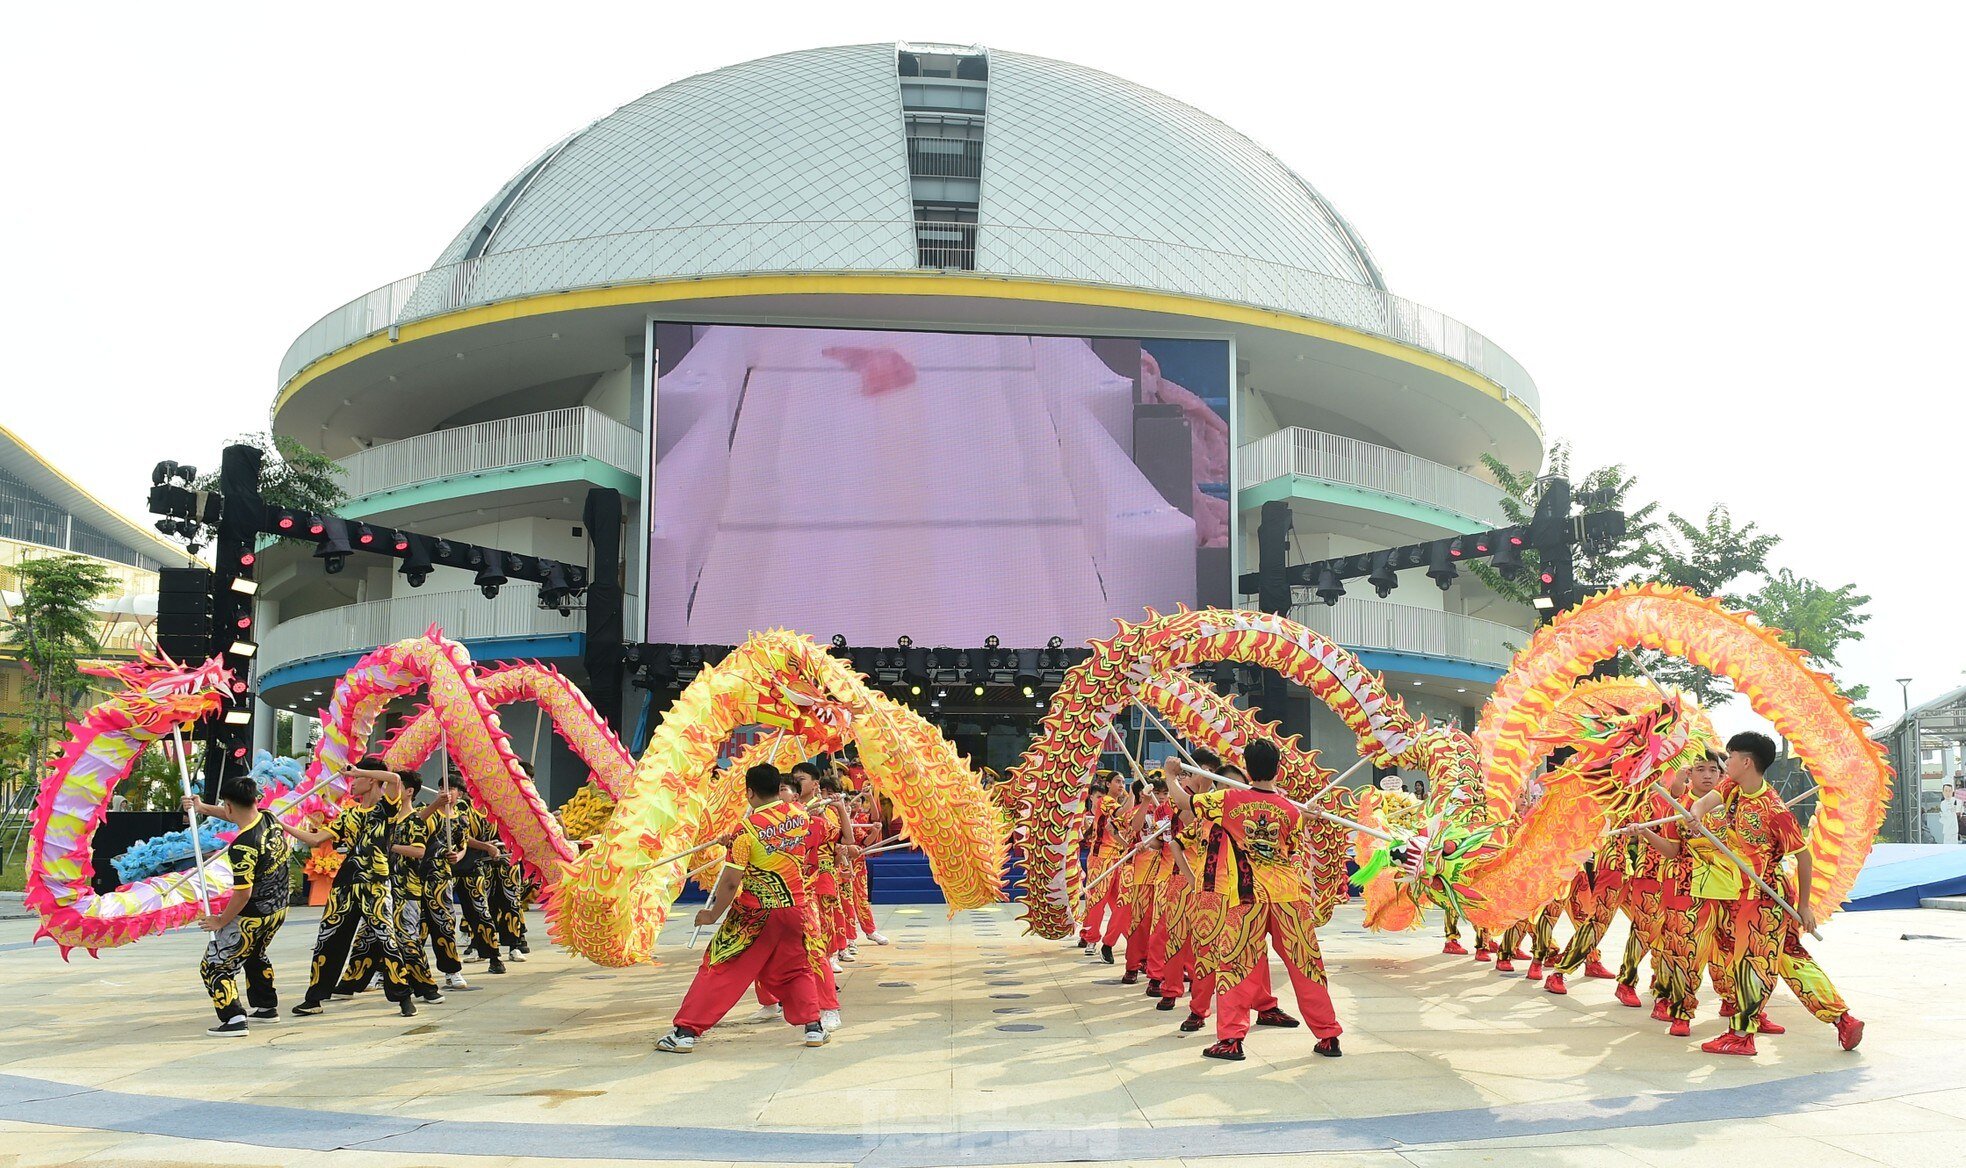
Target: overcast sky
point(1726, 240)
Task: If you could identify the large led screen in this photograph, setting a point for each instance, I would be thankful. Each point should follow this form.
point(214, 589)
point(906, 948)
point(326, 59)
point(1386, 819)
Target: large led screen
point(946, 487)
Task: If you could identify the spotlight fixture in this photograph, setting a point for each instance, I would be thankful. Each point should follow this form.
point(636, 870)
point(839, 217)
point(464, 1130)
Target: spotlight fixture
point(915, 691)
point(839, 640)
point(991, 642)
point(979, 691)
point(1384, 577)
point(1542, 603)
point(1330, 588)
point(244, 587)
point(491, 571)
point(238, 717)
point(1441, 566)
point(1055, 643)
point(1029, 692)
point(242, 649)
point(905, 641)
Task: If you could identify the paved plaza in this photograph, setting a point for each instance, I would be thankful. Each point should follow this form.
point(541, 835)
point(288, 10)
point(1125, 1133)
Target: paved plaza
point(969, 1043)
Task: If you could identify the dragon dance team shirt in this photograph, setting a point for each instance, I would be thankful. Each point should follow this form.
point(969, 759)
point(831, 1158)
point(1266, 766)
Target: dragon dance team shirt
point(769, 850)
point(1261, 827)
point(364, 834)
point(259, 856)
point(1759, 829)
point(822, 833)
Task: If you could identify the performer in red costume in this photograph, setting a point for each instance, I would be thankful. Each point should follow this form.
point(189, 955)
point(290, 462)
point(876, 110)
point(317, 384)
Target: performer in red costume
point(1265, 901)
point(764, 901)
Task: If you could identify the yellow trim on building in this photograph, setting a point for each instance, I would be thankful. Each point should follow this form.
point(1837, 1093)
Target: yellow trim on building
point(899, 284)
point(154, 545)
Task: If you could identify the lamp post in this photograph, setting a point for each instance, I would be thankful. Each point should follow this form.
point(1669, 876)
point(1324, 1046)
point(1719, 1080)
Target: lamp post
point(1904, 691)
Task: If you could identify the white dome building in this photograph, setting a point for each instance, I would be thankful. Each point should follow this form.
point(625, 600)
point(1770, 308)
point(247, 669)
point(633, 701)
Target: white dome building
point(901, 188)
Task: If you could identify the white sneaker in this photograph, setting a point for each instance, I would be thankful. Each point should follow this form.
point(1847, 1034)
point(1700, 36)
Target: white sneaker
point(455, 981)
point(515, 955)
point(676, 1042)
point(877, 937)
point(816, 1035)
point(771, 1013)
point(845, 955)
point(835, 963)
point(1090, 948)
point(829, 1020)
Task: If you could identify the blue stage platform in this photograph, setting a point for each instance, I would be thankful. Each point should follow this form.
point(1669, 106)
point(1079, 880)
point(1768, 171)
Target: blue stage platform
point(1900, 875)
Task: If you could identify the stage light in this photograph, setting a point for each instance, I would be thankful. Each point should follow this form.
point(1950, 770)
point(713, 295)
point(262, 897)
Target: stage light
point(441, 548)
point(334, 564)
point(402, 544)
point(491, 571)
point(242, 649)
point(1441, 566)
point(1481, 546)
point(1330, 588)
point(363, 535)
point(905, 641)
point(285, 523)
point(1383, 578)
point(941, 693)
point(248, 560)
point(1549, 577)
point(238, 717)
point(915, 691)
point(245, 622)
point(1055, 643)
point(979, 691)
point(316, 527)
point(1029, 692)
point(1543, 603)
point(1508, 560)
point(839, 640)
point(166, 527)
point(416, 562)
point(186, 473)
point(244, 586)
point(991, 642)
point(1454, 549)
point(333, 550)
point(162, 471)
point(490, 591)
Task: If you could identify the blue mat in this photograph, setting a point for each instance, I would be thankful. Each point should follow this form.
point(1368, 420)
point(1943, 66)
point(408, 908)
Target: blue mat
point(1900, 875)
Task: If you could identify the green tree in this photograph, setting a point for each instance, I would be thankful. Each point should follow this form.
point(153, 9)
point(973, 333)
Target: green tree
point(1817, 619)
point(1713, 558)
point(52, 631)
point(1629, 558)
point(292, 476)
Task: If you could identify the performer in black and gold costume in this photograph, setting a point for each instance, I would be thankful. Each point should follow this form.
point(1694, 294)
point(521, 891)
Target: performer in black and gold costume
point(261, 886)
point(361, 894)
point(409, 857)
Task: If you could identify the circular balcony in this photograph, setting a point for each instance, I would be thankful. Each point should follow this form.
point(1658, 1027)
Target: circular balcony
point(1345, 470)
point(1381, 626)
point(868, 247)
point(319, 645)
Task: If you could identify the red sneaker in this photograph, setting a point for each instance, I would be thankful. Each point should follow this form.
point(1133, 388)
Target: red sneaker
point(1504, 965)
point(1455, 947)
point(1680, 1028)
point(1276, 1017)
point(1132, 977)
point(1849, 1031)
point(1597, 970)
point(1730, 1043)
point(1519, 955)
point(1763, 1024)
point(1484, 956)
point(1535, 971)
point(1228, 1048)
point(1555, 984)
point(1661, 1012)
point(1627, 996)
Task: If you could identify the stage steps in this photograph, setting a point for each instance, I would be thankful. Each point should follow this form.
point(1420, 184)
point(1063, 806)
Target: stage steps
point(1949, 903)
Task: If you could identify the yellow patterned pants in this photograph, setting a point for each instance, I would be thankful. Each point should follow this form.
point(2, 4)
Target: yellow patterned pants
point(240, 947)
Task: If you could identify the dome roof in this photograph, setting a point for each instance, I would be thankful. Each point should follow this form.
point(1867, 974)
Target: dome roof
point(801, 162)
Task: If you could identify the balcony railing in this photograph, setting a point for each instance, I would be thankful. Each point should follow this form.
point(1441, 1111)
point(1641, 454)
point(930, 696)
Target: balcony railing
point(719, 249)
point(1337, 459)
point(575, 432)
point(1398, 628)
point(463, 616)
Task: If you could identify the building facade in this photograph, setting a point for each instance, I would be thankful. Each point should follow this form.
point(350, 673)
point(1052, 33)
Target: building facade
point(908, 190)
point(45, 513)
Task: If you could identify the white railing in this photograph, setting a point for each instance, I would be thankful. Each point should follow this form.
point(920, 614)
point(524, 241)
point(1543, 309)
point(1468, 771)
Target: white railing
point(1080, 257)
point(575, 432)
point(1337, 459)
point(1398, 628)
point(463, 616)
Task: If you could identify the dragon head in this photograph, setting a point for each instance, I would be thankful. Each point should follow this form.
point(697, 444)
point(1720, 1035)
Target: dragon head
point(159, 693)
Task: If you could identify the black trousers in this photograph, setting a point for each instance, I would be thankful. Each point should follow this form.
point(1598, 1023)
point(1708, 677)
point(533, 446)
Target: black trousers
point(350, 907)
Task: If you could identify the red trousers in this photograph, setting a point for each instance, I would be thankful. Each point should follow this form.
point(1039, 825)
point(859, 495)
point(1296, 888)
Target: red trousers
point(776, 961)
point(1202, 999)
point(1142, 951)
point(1313, 999)
point(1105, 909)
point(861, 903)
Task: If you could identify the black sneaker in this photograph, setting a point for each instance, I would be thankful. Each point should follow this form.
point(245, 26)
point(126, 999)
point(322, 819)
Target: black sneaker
point(1228, 1048)
point(232, 1028)
point(1164, 1004)
point(1192, 1023)
point(1153, 987)
point(264, 1014)
point(408, 1007)
point(307, 1009)
point(1132, 977)
point(1106, 954)
point(1328, 1047)
point(496, 966)
point(1274, 1016)
point(431, 997)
